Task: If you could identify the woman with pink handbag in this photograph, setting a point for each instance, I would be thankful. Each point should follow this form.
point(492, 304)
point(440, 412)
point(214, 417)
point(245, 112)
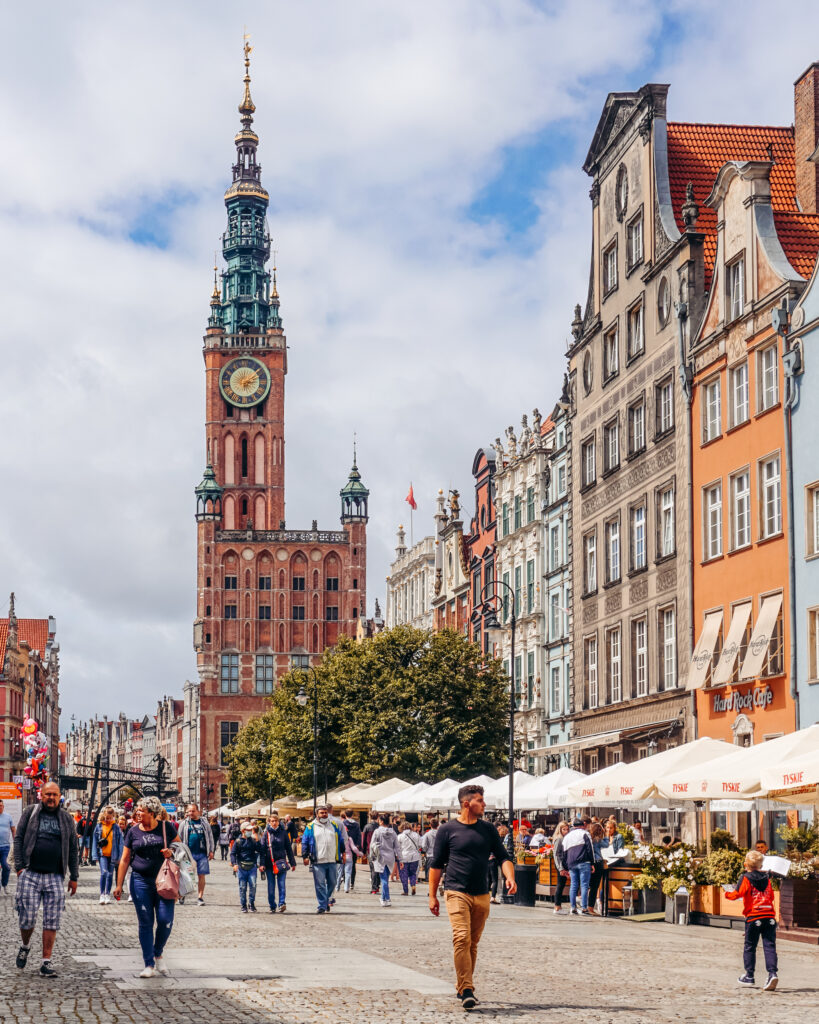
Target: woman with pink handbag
point(154, 881)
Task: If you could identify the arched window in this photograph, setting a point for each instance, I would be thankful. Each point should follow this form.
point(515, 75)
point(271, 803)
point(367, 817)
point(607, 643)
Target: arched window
point(230, 460)
point(282, 579)
point(258, 513)
point(244, 458)
point(244, 506)
point(230, 513)
point(258, 459)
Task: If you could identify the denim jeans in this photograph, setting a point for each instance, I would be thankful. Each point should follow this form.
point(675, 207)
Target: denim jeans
point(385, 883)
point(149, 905)
point(106, 875)
point(580, 880)
point(4, 865)
point(279, 880)
point(324, 879)
point(754, 931)
point(409, 874)
point(247, 886)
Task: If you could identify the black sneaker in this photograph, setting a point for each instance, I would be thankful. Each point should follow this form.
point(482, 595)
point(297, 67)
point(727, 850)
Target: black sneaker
point(771, 983)
point(47, 970)
point(321, 910)
point(244, 910)
point(746, 979)
point(468, 1000)
point(253, 909)
point(22, 957)
point(272, 910)
point(333, 901)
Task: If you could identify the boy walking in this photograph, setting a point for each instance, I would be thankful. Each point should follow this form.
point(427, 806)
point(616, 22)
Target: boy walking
point(756, 892)
point(244, 856)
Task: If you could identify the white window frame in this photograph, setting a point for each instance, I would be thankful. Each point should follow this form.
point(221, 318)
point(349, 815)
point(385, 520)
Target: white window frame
point(767, 371)
point(640, 657)
point(555, 626)
point(590, 561)
point(614, 658)
point(741, 509)
point(735, 273)
point(636, 343)
point(634, 240)
point(712, 520)
point(613, 551)
point(554, 546)
point(591, 665)
point(611, 353)
point(665, 406)
point(638, 537)
point(589, 462)
point(667, 523)
point(611, 441)
point(770, 496)
point(812, 520)
point(740, 398)
point(610, 268)
point(637, 438)
point(667, 642)
point(555, 689)
point(711, 410)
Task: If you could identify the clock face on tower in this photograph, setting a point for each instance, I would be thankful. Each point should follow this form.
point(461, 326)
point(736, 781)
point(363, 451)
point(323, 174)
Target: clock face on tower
point(244, 381)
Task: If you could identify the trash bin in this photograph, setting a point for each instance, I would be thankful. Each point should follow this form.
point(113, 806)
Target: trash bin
point(526, 878)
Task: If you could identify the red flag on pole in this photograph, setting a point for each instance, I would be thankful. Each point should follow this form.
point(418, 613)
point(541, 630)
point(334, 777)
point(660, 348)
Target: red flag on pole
point(410, 499)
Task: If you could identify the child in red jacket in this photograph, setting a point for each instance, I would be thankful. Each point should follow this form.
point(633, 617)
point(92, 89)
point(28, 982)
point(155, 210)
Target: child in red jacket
point(756, 892)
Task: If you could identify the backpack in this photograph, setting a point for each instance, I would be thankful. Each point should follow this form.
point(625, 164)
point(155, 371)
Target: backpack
point(375, 848)
point(762, 904)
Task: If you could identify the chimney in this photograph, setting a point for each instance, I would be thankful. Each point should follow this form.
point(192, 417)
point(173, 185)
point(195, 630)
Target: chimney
point(806, 138)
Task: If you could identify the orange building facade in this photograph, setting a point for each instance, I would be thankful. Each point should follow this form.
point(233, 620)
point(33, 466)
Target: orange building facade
point(765, 250)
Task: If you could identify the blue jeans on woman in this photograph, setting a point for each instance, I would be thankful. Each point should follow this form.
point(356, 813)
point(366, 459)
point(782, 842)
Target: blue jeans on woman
point(385, 883)
point(149, 905)
point(409, 874)
point(4, 865)
point(247, 886)
point(580, 876)
point(106, 875)
point(279, 880)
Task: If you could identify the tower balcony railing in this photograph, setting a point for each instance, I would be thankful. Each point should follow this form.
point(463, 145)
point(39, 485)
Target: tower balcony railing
point(251, 340)
point(238, 239)
point(283, 536)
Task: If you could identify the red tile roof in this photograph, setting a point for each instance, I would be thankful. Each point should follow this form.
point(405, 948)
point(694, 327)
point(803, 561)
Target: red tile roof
point(799, 235)
point(34, 632)
point(696, 152)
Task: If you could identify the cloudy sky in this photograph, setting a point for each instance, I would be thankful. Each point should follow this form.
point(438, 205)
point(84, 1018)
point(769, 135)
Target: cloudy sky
point(432, 221)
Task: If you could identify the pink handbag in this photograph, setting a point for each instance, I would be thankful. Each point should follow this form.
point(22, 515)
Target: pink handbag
point(167, 881)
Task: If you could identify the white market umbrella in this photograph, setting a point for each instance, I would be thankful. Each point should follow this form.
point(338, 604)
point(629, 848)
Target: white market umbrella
point(420, 802)
point(595, 790)
point(399, 801)
point(497, 795)
point(738, 775)
point(368, 797)
point(637, 781)
point(794, 780)
point(535, 795)
point(447, 799)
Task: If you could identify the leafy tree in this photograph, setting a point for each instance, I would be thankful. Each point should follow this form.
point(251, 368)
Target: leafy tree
point(408, 702)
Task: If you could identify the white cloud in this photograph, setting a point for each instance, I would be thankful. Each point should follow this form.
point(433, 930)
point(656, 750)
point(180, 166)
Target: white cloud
point(424, 331)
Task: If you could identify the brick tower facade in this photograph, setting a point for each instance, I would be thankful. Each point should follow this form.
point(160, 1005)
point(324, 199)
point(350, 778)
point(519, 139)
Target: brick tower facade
point(268, 598)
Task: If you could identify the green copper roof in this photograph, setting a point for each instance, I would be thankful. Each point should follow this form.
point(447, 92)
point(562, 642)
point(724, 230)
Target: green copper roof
point(354, 487)
point(210, 487)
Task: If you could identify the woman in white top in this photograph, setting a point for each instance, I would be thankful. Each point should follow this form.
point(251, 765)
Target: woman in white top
point(409, 848)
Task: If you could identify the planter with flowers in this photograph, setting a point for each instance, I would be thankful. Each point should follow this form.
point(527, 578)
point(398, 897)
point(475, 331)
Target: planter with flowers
point(798, 893)
point(662, 873)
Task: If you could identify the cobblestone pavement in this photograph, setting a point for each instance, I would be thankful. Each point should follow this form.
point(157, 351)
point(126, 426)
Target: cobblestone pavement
point(362, 964)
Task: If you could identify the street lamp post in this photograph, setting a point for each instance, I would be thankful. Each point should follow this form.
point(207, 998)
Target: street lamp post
point(494, 631)
point(301, 699)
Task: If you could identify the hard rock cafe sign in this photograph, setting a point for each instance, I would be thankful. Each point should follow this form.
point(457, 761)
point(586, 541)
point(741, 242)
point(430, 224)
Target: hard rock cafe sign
point(744, 700)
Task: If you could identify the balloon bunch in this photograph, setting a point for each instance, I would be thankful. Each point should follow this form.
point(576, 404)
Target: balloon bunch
point(36, 745)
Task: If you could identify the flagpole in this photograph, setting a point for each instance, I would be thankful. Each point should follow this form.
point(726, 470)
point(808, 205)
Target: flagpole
point(412, 536)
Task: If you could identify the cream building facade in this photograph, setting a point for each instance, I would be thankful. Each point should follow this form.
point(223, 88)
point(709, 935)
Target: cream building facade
point(410, 584)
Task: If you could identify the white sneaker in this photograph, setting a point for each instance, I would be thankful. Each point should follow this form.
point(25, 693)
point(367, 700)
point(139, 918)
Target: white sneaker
point(130, 898)
point(574, 910)
point(102, 900)
point(386, 903)
point(148, 972)
point(159, 961)
point(560, 910)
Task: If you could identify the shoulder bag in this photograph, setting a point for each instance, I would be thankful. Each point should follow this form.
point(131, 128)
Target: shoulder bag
point(167, 881)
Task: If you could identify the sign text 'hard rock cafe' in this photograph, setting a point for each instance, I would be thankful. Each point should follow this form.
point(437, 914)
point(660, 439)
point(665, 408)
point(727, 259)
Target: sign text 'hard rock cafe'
point(759, 697)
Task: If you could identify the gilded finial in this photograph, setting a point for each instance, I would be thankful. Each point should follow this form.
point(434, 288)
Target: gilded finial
point(214, 298)
point(246, 107)
point(274, 294)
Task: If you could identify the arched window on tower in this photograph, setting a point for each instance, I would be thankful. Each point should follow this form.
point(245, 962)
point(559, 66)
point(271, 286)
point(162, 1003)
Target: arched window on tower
point(258, 459)
point(259, 513)
point(230, 460)
point(244, 506)
point(230, 513)
point(244, 458)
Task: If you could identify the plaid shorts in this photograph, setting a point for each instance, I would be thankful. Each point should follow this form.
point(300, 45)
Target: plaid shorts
point(34, 888)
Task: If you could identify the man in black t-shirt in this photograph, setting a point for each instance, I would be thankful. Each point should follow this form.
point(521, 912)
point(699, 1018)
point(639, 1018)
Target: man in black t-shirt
point(462, 849)
point(45, 848)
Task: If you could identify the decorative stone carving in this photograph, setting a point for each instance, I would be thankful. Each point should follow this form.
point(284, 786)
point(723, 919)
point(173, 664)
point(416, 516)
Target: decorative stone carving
point(690, 210)
point(589, 612)
point(666, 580)
point(577, 323)
point(594, 192)
point(644, 127)
point(614, 601)
point(638, 591)
point(513, 442)
point(662, 243)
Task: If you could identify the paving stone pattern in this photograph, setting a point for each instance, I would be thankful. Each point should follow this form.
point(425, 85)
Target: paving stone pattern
point(361, 964)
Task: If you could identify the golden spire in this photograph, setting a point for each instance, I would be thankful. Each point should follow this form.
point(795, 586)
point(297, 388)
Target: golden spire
point(247, 107)
point(215, 297)
point(274, 294)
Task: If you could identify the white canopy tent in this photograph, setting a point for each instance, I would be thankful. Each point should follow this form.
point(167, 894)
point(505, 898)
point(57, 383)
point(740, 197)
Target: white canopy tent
point(497, 795)
point(399, 801)
point(737, 775)
point(537, 794)
point(635, 782)
point(419, 803)
point(447, 799)
point(594, 790)
point(362, 797)
point(794, 780)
